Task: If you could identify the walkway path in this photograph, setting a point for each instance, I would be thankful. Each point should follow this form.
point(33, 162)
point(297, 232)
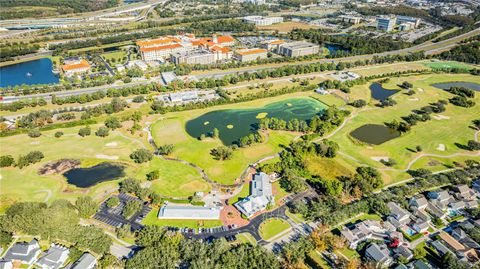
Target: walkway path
point(49, 194)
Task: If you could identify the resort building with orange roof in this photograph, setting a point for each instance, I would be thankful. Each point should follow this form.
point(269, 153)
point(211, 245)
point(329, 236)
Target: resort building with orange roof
point(272, 45)
point(247, 55)
point(160, 53)
point(75, 67)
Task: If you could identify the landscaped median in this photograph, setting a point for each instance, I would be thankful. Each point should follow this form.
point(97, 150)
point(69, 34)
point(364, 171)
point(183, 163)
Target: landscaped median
point(270, 228)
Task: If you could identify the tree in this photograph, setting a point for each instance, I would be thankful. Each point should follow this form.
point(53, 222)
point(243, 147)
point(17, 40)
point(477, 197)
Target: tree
point(141, 156)
point(34, 133)
point(102, 132)
point(222, 153)
point(124, 231)
point(6, 161)
point(138, 99)
point(419, 253)
point(165, 149)
point(58, 134)
point(108, 261)
point(473, 145)
point(5, 238)
point(130, 185)
point(86, 206)
point(358, 103)
point(113, 123)
point(418, 148)
point(131, 207)
point(113, 201)
point(86, 131)
point(153, 175)
point(30, 158)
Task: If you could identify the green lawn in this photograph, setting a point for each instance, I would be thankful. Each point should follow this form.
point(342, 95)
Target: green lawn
point(272, 227)
point(246, 238)
point(152, 219)
point(319, 260)
point(452, 129)
point(298, 218)
point(116, 56)
point(447, 64)
point(176, 179)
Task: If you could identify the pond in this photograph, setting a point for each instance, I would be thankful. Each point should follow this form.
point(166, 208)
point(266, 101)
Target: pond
point(31, 72)
point(87, 177)
point(236, 123)
point(380, 93)
point(374, 134)
point(448, 85)
point(332, 48)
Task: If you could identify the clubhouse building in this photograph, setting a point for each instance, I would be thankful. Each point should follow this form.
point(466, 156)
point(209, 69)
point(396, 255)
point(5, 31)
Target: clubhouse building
point(260, 196)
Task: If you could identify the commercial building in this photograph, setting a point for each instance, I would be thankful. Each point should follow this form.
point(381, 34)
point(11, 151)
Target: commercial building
point(247, 55)
point(406, 26)
point(75, 67)
point(385, 24)
point(170, 211)
point(350, 19)
point(187, 96)
point(298, 48)
point(405, 19)
point(221, 53)
point(198, 56)
point(272, 45)
point(162, 52)
point(262, 21)
point(260, 196)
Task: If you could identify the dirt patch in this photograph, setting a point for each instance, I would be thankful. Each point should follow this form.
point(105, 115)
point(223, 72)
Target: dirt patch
point(381, 158)
point(413, 99)
point(441, 147)
point(440, 117)
point(107, 157)
point(111, 144)
point(59, 166)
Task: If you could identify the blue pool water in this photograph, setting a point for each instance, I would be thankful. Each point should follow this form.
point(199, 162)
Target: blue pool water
point(31, 72)
point(410, 231)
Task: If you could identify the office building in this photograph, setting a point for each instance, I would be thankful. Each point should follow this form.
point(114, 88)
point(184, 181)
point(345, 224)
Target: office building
point(198, 56)
point(385, 24)
point(262, 21)
point(298, 48)
point(247, 55)
point(405, 19)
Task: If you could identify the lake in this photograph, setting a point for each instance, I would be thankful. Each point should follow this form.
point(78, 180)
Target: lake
point(87, 177)
point(448, 85)
point(236, 123)
point(334, 48)
point(380, 93)
point(374, 134)
point(29, 73)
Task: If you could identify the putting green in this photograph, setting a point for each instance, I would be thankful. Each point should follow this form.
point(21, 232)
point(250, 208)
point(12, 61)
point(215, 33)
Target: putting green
point(230, 126)
point(262, 115)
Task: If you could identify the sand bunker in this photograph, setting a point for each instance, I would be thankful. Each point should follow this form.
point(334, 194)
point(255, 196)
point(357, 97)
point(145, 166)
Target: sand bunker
point(107, 157)
point(111, 144)
point(35, 143)
point(289, 104)
point(230, 126)
point(206, 123)
point(440, 117)
point(413, 99)
point(441, 147)
point(261, 115)
point(420, 89)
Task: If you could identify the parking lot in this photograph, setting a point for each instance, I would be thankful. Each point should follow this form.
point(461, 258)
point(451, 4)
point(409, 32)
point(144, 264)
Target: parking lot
point(113, 216)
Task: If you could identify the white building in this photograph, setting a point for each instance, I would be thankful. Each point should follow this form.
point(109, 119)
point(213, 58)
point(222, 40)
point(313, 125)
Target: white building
point(260, 196)
point(23, 252)
point(187, 96)
point(87, 261)
point(163, 52)
point(54, 258)
point(350, 19)
point(170, 211)
point(262, 21)
point(199, 56)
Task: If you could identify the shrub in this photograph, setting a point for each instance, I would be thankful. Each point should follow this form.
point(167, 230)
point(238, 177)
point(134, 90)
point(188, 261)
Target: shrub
point(102, 132)
point(86, 131)
point(165, 149)
point(58, 134)
point(6, 161)
point(222, 153)
point(113, 123)
point(30, 158)
point(112, 201)
point(138, 99)
point(34, 133)
point(155, 174)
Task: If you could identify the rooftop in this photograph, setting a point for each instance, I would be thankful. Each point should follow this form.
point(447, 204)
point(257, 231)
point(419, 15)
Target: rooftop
point(250, 51)
point(164, 47)
point(188, 212)
point(74, 66)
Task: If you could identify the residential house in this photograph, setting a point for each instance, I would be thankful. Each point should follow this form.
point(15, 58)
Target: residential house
point(362, 231)
point(398, 216)
point(476, 185)
point(73, 68)
point(462, 252)
point(418, 202)
point(462, 237)
point(54, 258)
point(463, 192)
point(440, 247)
point(6, 264)
point(379, 254)
point(420, 226)
point(402, 250)
point(87, 261)
point(23, 252)
point(419, 264)
point(441, 198)
point(260, 196)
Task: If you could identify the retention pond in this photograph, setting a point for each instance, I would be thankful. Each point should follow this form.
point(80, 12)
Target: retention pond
point(374, 134)
point(87, 177)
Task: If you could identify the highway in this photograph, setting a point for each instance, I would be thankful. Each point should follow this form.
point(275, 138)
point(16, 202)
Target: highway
point(428, 48)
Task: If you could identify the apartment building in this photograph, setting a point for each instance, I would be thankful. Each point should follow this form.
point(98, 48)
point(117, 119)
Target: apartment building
point(198, 56)
point(262, 21)
point(75, 67)
point(386, 24)
point(272, 45)
point(162, 52)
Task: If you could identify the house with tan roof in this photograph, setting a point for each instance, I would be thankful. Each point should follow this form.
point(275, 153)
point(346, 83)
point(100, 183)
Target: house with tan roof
point(75, 67)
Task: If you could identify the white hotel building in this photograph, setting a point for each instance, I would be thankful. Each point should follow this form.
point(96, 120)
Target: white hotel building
point(262, 21)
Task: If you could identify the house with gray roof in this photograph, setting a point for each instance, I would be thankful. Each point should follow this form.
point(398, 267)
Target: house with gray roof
point(440, 198)
point(362, 231)
point(379, 254)
point(440, 247)
point(54, 257)
point(260, 197)
point(6, 264)
point(418, 202)
point(23, 252)
point(420, 226)
point(87, 261)
point(419, 264)
point(462, 237)
point(463, 192)
point(398, 216)
point(402, 250)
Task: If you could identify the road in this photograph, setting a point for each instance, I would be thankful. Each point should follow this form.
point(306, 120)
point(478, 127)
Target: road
point(428, 48)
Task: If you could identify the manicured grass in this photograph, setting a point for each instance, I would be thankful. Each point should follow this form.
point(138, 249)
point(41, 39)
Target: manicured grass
point(428, 134)
point(279, 192)
point(319, 260)
point(117, 56)
point(288, 26)
point(246, 238)
point(349, 253)
point(272, 227)
point(176, 179)
point(170, 130)
point(447, 64)
point(241, 195)
point(298, 218)
point(388, 68)
point(152, 219)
